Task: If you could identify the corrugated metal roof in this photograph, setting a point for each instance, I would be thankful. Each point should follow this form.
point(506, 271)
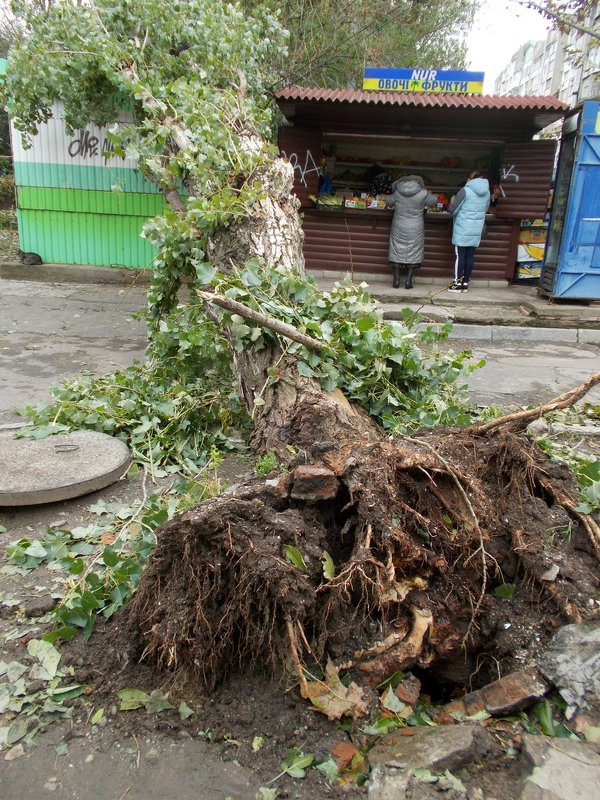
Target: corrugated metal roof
point(422, 99)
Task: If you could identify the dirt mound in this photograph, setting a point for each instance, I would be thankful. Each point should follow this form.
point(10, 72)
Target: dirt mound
point(397, 555)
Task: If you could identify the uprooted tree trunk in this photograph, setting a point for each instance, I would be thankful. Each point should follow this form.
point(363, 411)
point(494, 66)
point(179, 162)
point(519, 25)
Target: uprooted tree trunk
point(374, 554)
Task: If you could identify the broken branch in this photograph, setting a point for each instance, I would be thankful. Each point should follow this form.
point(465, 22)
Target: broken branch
point(565, 400)
point(261, 319)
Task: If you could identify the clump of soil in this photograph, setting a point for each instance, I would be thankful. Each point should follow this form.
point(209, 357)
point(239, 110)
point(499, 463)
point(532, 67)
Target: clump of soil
point(422, 533)
point(456, 555)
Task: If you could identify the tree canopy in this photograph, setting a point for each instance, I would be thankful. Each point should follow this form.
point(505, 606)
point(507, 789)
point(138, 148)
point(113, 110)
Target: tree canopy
point(331, 42)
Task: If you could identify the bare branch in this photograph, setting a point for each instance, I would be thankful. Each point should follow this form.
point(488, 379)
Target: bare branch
point(261, 319)
point(561, 19)
point(524, 417)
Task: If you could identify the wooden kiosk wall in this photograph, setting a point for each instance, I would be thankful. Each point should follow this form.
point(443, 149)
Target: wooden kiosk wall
point(357, 240)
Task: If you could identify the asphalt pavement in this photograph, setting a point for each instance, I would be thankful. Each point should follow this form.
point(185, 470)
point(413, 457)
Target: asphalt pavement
point(56, 329)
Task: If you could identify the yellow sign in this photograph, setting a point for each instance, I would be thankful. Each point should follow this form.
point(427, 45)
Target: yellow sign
point(383, 79)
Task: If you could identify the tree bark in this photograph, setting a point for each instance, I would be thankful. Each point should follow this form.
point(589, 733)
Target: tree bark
point(272, 230)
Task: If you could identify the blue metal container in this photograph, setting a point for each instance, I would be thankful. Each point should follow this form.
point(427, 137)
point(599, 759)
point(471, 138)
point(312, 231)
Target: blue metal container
point(571, 267)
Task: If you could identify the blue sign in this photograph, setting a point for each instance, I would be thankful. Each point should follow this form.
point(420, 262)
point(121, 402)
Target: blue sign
point(388, 79)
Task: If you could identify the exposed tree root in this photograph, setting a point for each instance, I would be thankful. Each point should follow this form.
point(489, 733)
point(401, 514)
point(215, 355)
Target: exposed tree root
point(420, 532)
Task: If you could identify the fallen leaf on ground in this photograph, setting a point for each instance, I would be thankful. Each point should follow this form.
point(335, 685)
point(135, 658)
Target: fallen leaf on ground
point(333, 698)
point(15, 752)
point(343, 753)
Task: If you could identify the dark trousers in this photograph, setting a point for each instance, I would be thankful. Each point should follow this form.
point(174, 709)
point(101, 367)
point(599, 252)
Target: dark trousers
point(463, 265)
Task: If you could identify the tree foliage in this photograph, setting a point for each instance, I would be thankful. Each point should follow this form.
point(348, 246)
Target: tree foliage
point(184, 401)
point(331, 41)
point(200, 129)
point(180, 77)
point(568, 15)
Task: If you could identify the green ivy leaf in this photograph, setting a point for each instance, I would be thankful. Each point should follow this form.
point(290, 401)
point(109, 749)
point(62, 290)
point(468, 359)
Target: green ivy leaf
point(295, 765)
point(157, 702)
point(132, 699)
point(110, 557)
point(266, 793)
point(205, 273)
point(329, 770)
point(62, 693)
point(305, 370)
point(48, 659)
point(425, 775)
point(36, 550)
point(392, 703)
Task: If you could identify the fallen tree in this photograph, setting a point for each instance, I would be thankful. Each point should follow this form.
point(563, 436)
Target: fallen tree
point(367, 552)
point(417, 534)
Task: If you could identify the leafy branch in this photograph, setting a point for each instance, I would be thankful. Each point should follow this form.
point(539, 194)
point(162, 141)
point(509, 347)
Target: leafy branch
point(104, 560)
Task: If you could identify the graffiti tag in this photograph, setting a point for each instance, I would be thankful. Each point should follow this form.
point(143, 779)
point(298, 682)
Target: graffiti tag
point(309, 166)
point(86, 145)
point(507, 174)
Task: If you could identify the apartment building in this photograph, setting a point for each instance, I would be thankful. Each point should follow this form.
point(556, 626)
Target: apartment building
point(564, 65)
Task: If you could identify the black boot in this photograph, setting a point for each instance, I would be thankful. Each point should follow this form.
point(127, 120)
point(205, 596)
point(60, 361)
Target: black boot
point(396, 269)
point(408, 283)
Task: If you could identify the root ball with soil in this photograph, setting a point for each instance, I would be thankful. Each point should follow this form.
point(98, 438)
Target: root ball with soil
point(420, 530)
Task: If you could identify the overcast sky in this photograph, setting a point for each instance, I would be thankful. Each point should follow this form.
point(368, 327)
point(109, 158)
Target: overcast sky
point(501, 27)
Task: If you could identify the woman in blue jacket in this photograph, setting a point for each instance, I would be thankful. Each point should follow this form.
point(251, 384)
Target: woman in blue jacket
point(469, 208)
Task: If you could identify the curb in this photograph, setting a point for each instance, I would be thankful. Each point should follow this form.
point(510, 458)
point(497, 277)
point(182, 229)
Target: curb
point(505, 333)
point(476, 331)
point(68, 273)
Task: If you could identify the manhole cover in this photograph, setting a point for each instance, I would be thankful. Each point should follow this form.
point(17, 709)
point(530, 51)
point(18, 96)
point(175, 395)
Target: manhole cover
point(59, 467)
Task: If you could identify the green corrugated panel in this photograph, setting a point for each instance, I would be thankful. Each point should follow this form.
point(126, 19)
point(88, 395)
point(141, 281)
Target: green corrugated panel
point(76, 176)
point(73, 238)
point(80, 201)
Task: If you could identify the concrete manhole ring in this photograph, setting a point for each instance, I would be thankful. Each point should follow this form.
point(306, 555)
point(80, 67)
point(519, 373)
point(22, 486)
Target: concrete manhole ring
point(59, 467)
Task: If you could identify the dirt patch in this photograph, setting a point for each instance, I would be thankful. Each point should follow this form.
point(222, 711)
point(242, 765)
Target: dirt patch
point(247, 727)
point(252, 720)
point(428, 539)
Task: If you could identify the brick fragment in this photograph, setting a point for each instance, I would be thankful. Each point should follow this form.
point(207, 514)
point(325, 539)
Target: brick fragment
point(514, 691)
point(408, 690)
point(313, 483)
point(511, 693)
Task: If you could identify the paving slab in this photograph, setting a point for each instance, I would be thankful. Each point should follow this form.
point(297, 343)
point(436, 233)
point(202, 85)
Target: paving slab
point(137, 768)
point(51, 331)
point(563, 769)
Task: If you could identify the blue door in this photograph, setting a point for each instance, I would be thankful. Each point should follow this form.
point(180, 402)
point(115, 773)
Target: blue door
point(578, 272)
